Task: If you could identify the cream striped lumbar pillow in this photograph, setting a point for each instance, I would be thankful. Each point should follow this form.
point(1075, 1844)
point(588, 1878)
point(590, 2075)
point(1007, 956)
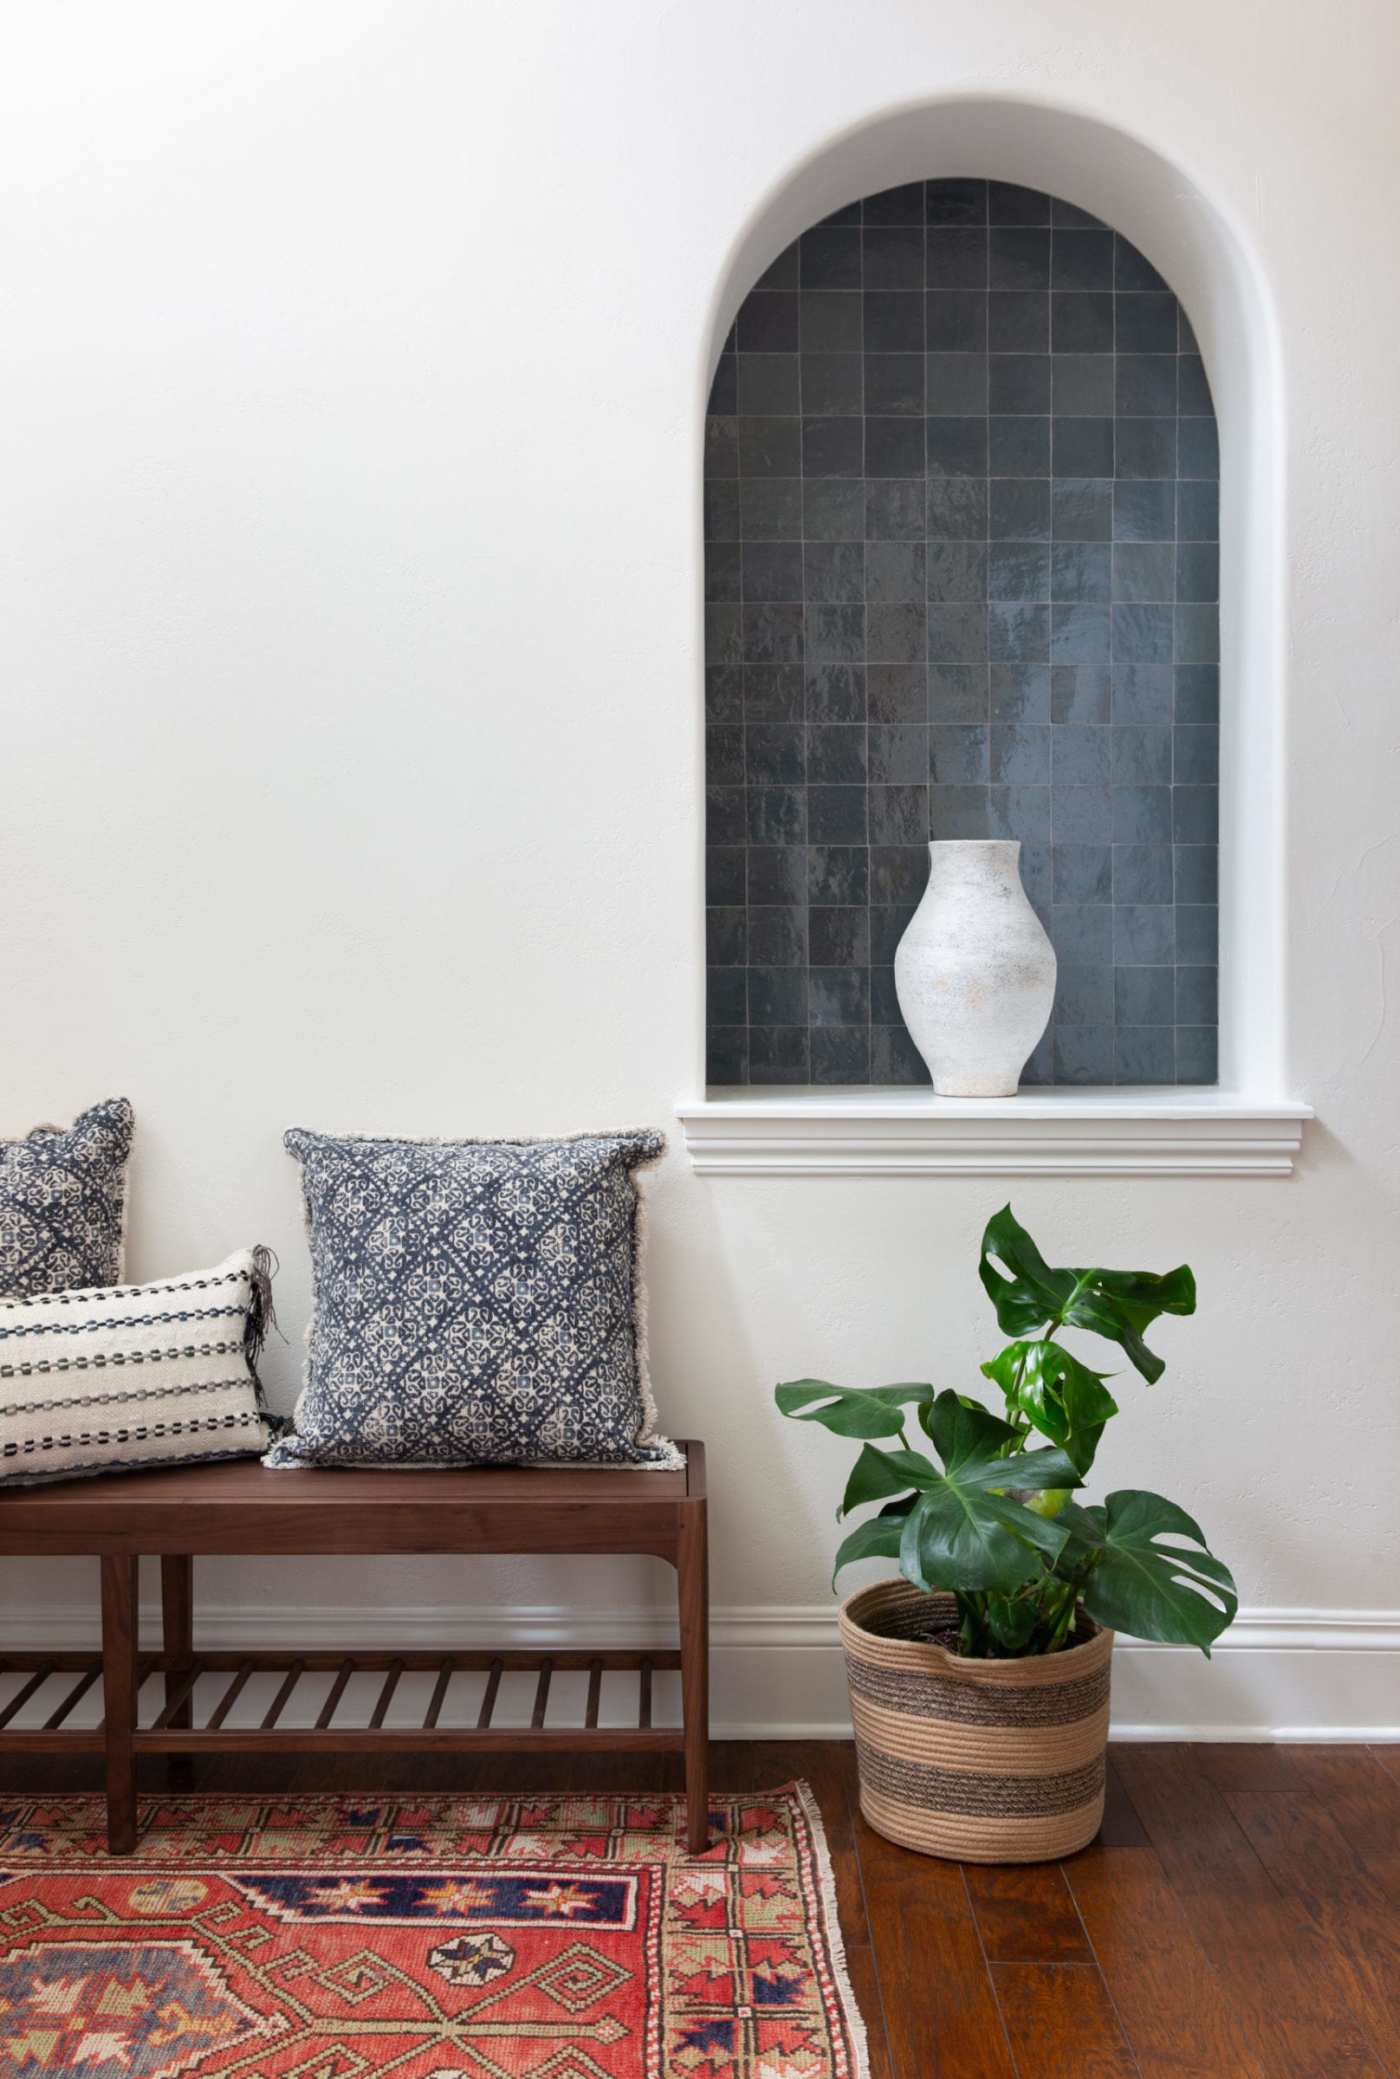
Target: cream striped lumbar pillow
point(120, 1376)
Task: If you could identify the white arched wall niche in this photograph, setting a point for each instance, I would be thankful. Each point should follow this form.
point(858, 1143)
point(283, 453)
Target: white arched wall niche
point(1250, 1124)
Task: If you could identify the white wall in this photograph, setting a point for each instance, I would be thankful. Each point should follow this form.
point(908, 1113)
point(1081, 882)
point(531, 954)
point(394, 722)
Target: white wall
point(350, 375)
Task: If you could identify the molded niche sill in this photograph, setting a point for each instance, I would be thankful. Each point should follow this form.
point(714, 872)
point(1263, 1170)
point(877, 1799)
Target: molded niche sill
point(1133, 1132)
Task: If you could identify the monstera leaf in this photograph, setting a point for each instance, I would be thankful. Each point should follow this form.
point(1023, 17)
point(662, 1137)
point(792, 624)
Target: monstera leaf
point(1120, 1305)
point(964, 1530)
point(1142, 1585)
point(849, 1411)
point(1056, 1394)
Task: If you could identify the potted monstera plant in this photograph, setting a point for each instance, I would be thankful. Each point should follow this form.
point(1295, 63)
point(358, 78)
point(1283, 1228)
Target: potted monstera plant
point(979, 1679)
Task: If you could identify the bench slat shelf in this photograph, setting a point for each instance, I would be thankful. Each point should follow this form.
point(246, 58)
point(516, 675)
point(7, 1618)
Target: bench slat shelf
point(486, 1510)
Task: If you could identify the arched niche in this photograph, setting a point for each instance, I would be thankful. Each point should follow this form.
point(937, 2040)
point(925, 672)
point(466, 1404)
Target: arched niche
point(1190, 241)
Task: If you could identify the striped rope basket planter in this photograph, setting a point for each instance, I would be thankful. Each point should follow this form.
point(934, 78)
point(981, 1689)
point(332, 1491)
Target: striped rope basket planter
point(978, 1760)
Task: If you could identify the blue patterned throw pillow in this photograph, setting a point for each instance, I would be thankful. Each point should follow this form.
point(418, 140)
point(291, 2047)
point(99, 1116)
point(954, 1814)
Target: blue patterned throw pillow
point(63, 1203)
point(475, 1303)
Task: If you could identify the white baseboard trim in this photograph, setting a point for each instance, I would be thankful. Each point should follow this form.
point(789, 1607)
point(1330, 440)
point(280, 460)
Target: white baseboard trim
point(1278, 1674)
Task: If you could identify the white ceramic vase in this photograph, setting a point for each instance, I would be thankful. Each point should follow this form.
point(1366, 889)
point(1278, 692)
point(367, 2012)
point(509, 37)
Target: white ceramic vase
point(974, 971)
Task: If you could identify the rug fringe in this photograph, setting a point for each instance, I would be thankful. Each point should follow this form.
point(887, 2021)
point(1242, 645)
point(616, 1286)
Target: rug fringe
point(835, 1941)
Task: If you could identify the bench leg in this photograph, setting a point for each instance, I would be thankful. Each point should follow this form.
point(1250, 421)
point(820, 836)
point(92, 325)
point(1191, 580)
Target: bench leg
point(177, 1637)
point(693, 1585)
point(119, 1626)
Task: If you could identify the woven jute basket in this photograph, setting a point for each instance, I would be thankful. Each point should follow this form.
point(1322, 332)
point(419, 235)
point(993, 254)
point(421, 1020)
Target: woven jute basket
point(978, 1760)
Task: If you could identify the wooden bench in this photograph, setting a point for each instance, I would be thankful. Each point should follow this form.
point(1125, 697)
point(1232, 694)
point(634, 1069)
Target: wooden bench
point(242, 1508)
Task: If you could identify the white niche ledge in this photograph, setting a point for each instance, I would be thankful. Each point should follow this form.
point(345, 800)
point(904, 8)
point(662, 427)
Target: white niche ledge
point(1146, 1132)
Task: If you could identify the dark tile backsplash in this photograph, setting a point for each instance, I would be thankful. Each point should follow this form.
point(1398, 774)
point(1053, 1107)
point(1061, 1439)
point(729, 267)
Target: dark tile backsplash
point(961, 574)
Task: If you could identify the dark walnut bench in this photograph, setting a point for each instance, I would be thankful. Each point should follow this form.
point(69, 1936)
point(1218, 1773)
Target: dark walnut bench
point(242, 1508)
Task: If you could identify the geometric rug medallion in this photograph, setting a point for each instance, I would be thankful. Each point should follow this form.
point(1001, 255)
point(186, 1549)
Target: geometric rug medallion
point(347, 1937)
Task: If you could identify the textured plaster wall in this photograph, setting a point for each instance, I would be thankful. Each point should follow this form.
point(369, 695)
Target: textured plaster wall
point(352, 372)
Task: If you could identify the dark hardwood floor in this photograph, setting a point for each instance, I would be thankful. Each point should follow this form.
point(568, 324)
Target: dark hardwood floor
point(1238, 1917)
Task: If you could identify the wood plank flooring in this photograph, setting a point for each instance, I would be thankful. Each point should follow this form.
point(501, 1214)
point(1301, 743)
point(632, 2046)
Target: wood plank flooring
point(1237, 1918)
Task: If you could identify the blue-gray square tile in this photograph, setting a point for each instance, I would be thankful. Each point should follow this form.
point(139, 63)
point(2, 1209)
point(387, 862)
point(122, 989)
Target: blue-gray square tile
point(1198, 634)
point(1142, 873)
point(1197, 571)
point(957, 811)
point(1019, 509)
point(1142, 693)
point(898, 873)
point(957, 754)
point(840, 1054)
point(831, 384)
point(836, 815)
point(892, 257)
point(1083, 995)
point(1198, 448)
point(958, 693)
point(777, 995)
point(1197, 934)
point(1080, 693)
point(1079, 635)
point(893, 447)
point(1142, 634)
point(1081, 572)
point(837, 875)
point(1018, 321)
point(1145, 1054)
point(956, 571)
point(1083, 509)
point(1197, 995)
point(1145, 448)
point(777, 936)
point(1083, 873)
point(895, 509)
point(1144, 995)
point(894, 386)
point(1196, 756)
point(777, 874)
point(1082, 385)
point(1144, 934)
point(836, 754)
point(1196, 1054)
point(1081, 324)
point(1082, 933)
point(898, 753)
point(1142, 815)
point(1146, 385)
point(839, 937)
point(1084, 1054)
point(834, 634)
point(778, 1054)
point(1144, 572)
point(838, 995)
point(1196, 874)
point(1018, 446)
point(897, 633)
point(1083, 814)
point(1018, 633)
point(895, 571)
point(1195, 815)
point(1143, 510)
point(1197, 702)
point(1019, 693)
point(1020, 754)
point(957, 508)
point(1198, 511)
point(1082, 754)
point(955, 384)
point(1018, 383)
point(1023, 812)
point(1083, 447)
point(834, 692)
point(832, 509)
point(1018, 570)
point(898, 815)
point(1142, 757)
point(957, 634)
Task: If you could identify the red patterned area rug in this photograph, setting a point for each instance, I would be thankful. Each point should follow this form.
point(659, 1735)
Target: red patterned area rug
point(335, 1937)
